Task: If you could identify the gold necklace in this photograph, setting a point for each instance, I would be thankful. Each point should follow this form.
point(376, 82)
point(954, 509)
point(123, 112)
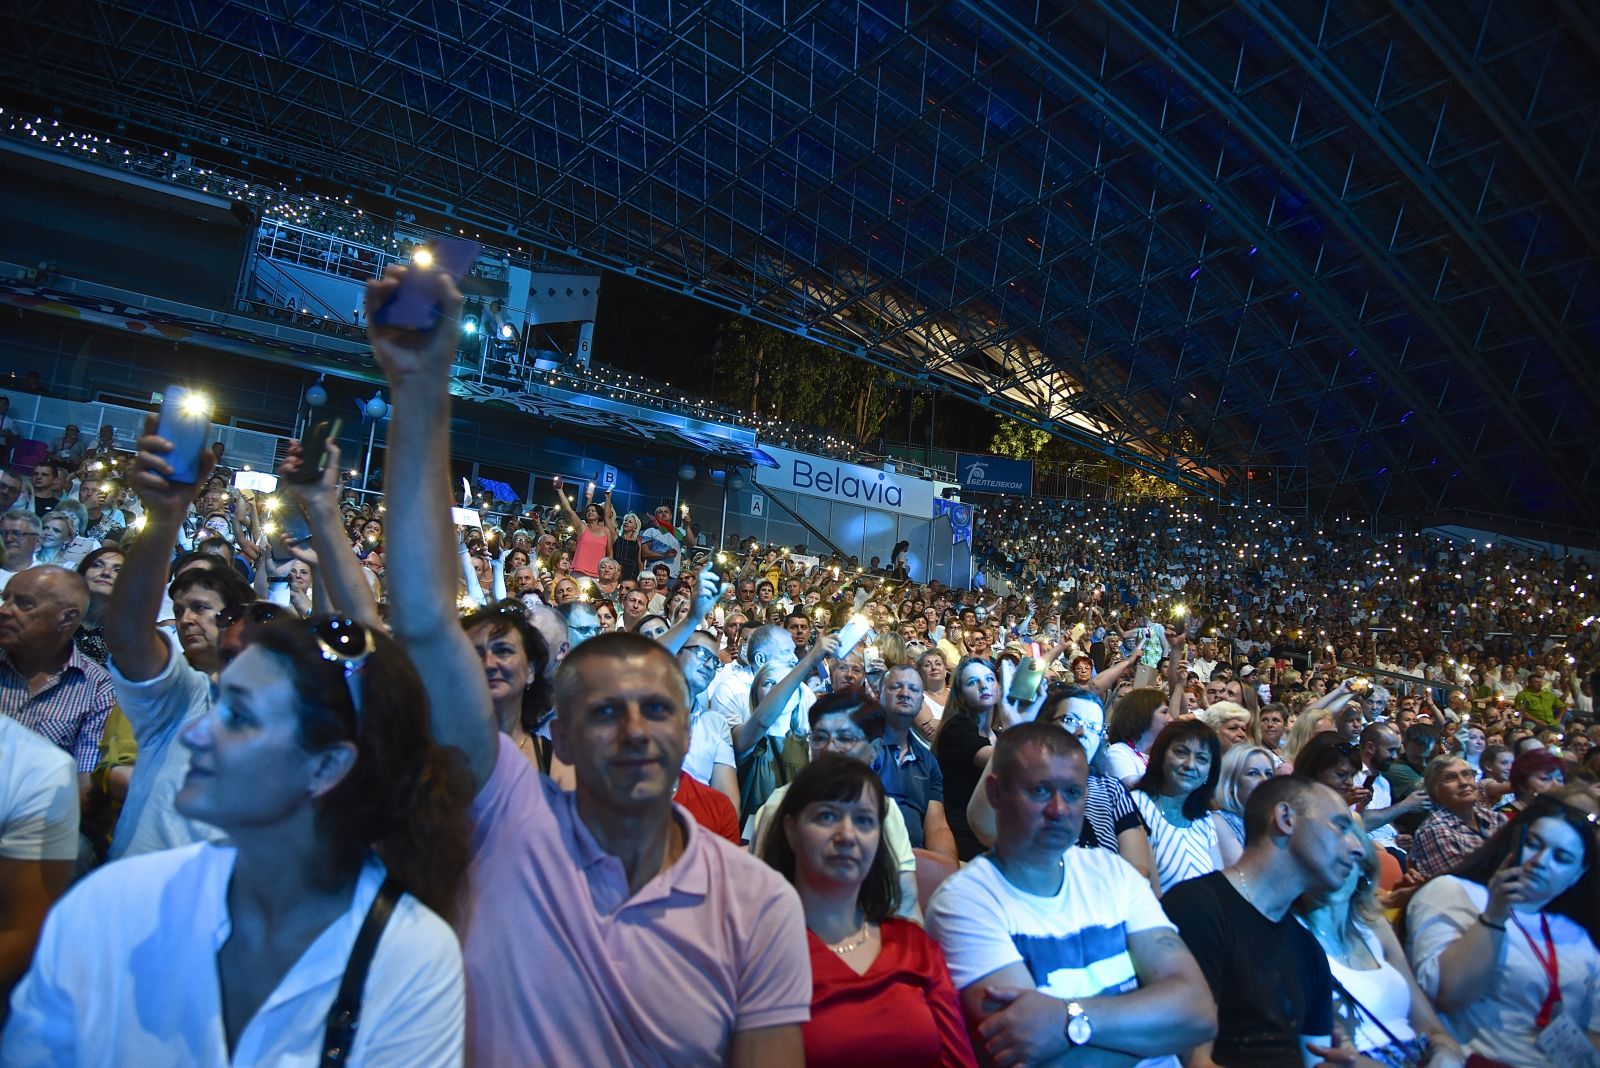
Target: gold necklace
point(849, 947)
point(1244, 887)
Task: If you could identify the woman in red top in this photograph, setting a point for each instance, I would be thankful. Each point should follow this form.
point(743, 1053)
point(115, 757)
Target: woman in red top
point(880, 993)
point(595, 531)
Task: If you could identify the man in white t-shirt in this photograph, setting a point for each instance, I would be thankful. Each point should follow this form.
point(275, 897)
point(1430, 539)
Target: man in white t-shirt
point(38, 839)
point(1053, 947)
point(710, 756)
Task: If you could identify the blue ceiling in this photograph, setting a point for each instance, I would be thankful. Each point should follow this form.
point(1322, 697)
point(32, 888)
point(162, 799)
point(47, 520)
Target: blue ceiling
point(1348, 245)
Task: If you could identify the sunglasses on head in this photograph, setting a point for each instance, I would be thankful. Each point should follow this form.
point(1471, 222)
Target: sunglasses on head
point(509, 608)
point(344, 642)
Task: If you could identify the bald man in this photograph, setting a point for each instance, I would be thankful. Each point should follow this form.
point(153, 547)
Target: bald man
point(46, 684)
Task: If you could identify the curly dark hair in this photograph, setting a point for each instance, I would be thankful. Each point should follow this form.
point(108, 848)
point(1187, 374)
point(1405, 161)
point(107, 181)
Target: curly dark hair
point(406, 797)
point(510, 615)
point(834, 777)
point(1198, 803)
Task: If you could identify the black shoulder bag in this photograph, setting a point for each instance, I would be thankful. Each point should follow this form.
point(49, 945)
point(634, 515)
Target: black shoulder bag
point(345, 1016)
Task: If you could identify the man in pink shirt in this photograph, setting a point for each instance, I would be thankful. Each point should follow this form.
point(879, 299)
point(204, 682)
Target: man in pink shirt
point(602, 927)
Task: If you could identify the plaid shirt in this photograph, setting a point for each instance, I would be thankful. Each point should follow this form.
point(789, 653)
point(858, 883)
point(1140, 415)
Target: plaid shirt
point(70, 708)
point(1445, 839)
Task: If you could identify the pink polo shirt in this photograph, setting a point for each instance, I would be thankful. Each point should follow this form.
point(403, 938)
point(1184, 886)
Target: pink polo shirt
point(564, 968)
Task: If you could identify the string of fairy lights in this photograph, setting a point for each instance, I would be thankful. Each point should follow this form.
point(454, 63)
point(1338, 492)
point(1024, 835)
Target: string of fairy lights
point(337, 216)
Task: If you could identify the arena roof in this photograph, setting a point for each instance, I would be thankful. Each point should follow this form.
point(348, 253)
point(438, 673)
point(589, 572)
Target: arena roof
point(1354, 240)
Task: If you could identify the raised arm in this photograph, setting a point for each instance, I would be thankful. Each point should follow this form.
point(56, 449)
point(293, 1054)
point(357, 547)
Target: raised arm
point(1177, 673)
point(497, 564)
point(708, 587)
point(137, 649)
point(423, 592)
point(1337, 695)
point(335, 566)
point(1105, 680)
point(567, 511)
point(748, 733)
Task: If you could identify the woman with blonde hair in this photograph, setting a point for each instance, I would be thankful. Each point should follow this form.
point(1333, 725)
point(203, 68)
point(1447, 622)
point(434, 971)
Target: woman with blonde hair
point(892, 649)
point(1379, 1010)
point(1307, 725)
point(1244, 767)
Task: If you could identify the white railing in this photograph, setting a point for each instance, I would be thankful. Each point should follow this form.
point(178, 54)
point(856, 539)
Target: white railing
point(43, 419)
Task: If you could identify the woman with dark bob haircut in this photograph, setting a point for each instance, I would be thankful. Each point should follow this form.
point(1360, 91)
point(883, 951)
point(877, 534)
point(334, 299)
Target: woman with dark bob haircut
point(316, 762)
point(1174, 797)
point(515, 657)
point(1135, 720)
point(1505, 943)
point(880, 991)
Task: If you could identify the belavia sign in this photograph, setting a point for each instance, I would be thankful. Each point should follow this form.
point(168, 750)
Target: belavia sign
point(834, 480)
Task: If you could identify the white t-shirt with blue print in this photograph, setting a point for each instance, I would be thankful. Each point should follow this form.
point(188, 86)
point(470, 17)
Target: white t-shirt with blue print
point(1074, 944)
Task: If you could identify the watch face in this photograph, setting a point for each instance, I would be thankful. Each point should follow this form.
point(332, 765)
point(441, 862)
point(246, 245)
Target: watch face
point(1078, 1030)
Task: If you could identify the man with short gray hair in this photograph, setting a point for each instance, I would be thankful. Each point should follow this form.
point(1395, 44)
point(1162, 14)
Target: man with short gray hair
point(20, 530)
point(730, 691)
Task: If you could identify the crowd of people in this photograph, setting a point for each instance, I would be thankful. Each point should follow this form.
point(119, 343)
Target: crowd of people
point(293, 777)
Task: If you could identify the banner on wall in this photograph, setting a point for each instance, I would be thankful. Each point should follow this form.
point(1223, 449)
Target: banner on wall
point(994, 474)
point(835, 480)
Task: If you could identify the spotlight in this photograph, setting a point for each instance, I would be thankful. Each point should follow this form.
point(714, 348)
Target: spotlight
point(507, 332)
point(469, 325)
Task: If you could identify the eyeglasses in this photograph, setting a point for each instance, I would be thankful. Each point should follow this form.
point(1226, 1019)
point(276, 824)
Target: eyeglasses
point(822, 739)
point(1073, 724)
point(18, 535)
point(255, 611)
point(345, 642)
point(702, 652)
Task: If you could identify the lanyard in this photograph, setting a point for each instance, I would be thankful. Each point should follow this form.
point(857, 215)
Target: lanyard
point(1551, 966)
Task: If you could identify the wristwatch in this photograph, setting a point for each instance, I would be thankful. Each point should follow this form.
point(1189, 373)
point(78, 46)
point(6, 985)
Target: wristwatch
point(1079, 1029)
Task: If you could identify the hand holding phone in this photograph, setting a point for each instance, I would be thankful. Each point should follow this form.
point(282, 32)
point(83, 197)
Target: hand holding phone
point(414, 304)
point(186, 423)
point(314, 451)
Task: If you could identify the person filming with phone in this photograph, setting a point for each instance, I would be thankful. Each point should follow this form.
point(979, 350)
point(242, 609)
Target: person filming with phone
point(1506, 943)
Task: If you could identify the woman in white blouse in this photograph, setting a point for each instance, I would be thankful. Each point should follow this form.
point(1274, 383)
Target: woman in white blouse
point(316, 760)
point(1174, 800)
point(1379, 1009)
point(1505, 945)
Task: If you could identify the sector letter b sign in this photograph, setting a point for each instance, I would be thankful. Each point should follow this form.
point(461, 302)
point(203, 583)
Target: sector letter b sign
point(994, 474)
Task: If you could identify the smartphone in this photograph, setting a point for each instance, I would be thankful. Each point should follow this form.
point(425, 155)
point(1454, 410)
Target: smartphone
point(412, 306)
point(466, 517)
point(186, 422)
point(294, 526)
point(855, 628)
point(314, 450)
point(1025, 681)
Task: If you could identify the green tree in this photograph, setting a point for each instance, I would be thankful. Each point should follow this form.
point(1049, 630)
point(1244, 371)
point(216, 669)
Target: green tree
point(767, 371)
